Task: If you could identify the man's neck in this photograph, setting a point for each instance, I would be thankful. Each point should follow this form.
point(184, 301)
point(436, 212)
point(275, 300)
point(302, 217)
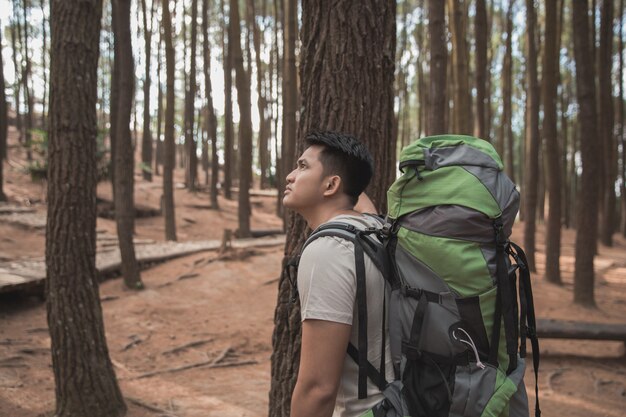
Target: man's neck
point(321, 216)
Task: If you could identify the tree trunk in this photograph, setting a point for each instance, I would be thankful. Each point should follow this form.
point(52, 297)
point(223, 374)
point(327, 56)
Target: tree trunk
point(587, 218)
point(15, 24)
point(553, 155)
point(191, 172)
point(44, 63)
point(4, 125)
point(278, 19)
point(358, 100)
point(262, 100)
point(169, 144)
point(83, 373)
point(621, 114)
point(532, 138)
point(114, 99)
point(490, 54)
point(26, 78)
point(504, 145)
point(211, 119)
point(481, 30)
point(290, 92)
point(245, 123)
point(158, 160)
point(228, 102)
point(124, 160)
point(462, 116)
point(438, 67)
point(146, 139)
point(606, 124)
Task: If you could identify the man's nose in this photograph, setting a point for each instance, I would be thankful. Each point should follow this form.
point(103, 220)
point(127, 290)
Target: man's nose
point(290, 176)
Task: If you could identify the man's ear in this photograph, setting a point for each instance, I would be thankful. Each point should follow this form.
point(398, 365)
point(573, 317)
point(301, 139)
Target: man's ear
point(332, 185)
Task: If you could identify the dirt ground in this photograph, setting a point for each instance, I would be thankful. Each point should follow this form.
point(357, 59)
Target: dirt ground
point(226, 313)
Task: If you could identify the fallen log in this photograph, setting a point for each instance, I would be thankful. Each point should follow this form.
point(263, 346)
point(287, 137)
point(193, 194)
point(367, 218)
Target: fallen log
point(565, 329)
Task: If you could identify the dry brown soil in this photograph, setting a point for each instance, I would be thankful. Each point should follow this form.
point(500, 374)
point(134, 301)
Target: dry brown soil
point(228, 309)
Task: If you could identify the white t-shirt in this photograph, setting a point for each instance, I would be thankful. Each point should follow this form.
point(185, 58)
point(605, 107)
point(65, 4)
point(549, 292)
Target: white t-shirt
point(327, 287)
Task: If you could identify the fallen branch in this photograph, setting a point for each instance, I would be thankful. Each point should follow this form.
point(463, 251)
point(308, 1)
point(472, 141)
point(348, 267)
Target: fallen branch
point(221, 356)
point(229, 364)
point(149, 407)
point(187, 276)
point(187, 346)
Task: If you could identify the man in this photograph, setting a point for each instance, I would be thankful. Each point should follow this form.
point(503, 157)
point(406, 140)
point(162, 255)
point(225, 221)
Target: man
point(325, 186)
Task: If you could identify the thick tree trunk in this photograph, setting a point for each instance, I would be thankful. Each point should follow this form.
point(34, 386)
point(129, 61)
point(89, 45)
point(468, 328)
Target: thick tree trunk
point(438, 67)
point(553, 155)
point(358, 100)
point(211, 119)
point(83, 373)
point(532, 138)
point(4, 125)
point(481, 32)
point(587, 216)
point(462, 116)
point(227, 57)
point(245, 123)
point(278, 19)
point(124, 160)
point(169, 144)
point(609, 159)
point(146, 138)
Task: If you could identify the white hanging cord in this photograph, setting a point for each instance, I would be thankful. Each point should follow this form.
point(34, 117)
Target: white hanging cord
point(471, 344)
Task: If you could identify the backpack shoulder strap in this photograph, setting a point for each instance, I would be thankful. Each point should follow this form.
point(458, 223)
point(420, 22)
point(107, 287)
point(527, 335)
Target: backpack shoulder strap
point(363, 244)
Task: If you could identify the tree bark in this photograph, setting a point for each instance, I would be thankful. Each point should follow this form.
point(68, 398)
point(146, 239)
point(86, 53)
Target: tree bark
point(621, 114)
point(84, 377)
point(124, 160)
point(587, 218)
point(15, 24)
point(290, 92)
point(146, 137)
point(228, 104)
point(606, 124)
point(245, 123)
point(44, 62)
point(532, 138)
point(342, 89)
point(462, 117)
point(211, 119)
point(553, 155)
point(169, 156)
point(114, 99)
point(158, 160)
point(504, 145)
point(26, 78)
point(438, 66)
point(481, 32)
point(262, 100)
point(4, 125)
point(191, 172)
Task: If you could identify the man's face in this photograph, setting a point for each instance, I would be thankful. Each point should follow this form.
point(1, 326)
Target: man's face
point(306, 183)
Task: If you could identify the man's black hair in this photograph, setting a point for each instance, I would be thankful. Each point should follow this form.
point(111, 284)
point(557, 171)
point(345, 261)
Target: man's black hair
point(346, 156)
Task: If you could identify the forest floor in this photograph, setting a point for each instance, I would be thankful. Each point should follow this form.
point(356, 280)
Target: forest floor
point(222, 315)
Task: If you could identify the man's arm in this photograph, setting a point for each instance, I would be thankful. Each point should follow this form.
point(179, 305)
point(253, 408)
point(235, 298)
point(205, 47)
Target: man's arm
point(322, 356)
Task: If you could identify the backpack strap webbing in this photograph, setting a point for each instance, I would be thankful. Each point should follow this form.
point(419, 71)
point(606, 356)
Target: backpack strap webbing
point(506, 304)
point(527, 322)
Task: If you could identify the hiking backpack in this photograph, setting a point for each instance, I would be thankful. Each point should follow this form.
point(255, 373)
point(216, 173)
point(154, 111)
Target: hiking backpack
point(457, 333)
